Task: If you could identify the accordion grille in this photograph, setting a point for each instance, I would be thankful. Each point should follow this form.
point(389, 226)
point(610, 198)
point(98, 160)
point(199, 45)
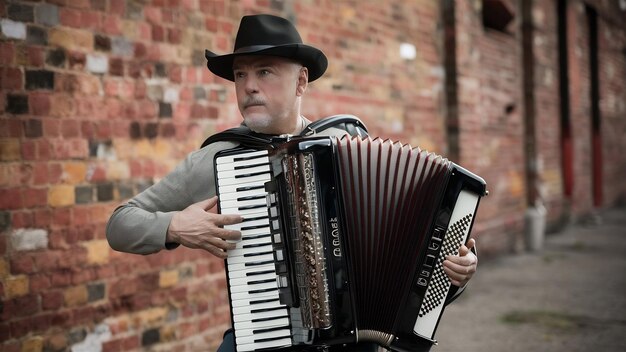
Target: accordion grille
point(390, 195)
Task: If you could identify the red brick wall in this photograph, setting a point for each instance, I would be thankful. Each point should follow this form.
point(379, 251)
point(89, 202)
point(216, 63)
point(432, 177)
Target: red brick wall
point(99, 99)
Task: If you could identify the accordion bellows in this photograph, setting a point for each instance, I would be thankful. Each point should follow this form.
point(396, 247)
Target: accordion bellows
point(389, 210)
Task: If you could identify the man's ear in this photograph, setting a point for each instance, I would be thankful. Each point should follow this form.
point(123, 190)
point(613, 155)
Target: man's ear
point(303, 80)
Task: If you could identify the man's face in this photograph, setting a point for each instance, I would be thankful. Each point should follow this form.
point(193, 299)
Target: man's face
point(268, 90)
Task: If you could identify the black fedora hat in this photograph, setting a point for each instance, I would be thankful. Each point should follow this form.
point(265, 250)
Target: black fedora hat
point(268, 35)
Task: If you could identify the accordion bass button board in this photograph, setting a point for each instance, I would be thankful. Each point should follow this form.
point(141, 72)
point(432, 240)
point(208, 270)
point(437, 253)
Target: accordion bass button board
point(343, 241)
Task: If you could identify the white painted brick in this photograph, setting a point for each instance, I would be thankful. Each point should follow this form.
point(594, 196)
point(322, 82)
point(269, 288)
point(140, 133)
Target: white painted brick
point(29, 239)
point(170, 95)
point(97, 63)
point(12, 29)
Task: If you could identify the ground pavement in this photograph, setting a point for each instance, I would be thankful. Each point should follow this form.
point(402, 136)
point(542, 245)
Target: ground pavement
point(569, 296)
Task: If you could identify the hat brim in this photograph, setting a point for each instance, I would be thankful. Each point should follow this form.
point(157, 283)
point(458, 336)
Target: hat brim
point(312, 58)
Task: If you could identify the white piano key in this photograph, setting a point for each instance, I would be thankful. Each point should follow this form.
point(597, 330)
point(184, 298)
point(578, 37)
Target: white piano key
point(224, 174)
point(234, 188)
point(232, 274)
point(274, 334)
point(265, 305)
point(239, 226)
point(251, 250)
point(265, 344)
point(244, 300)
point(248, 295)
point(267, 314)
point(247, 193)
point(253, 242)
point(248, 154)
point(242, 164)
point(262, 324)
point(248, 279)
point(249, 288)
point(245, 213)
point(256, 258)
point(254, 180)
point(227, 204)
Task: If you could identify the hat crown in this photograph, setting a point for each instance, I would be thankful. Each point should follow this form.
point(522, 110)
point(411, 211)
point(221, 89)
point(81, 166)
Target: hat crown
point(265, 30)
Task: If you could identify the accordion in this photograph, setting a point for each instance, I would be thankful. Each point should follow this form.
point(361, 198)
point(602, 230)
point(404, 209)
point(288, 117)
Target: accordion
point(343, 241)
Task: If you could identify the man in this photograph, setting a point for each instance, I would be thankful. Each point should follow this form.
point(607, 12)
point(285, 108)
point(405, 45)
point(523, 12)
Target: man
point(271, 69)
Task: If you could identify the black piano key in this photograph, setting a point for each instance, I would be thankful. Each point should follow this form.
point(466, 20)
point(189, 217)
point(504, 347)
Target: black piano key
point(252, 174)
point(252, 292)
point(261, 196)
point(263, 262)
point(248, 157)
point(259, 331)
point(254, 237)
point(257, 320)
point(256, 254)
point(249, 166)
point(255, 218)
point(254, 282)
point(248, 207)
point(249, 188)
point(254, 245)
point(272, 338)
point(263, 272)
point(270, 300)
point(244, 228)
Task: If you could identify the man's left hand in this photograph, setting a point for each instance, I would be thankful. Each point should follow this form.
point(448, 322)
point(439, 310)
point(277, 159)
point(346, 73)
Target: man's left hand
point(460, 268)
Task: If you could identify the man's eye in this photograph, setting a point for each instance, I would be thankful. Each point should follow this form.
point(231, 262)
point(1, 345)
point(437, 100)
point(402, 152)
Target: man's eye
point(264, 72)
point(239, 74)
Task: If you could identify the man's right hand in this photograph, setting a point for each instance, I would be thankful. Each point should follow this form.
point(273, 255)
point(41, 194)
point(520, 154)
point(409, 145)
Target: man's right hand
point(197, 227)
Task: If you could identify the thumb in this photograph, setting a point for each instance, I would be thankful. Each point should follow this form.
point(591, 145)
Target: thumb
point(467, 247)
point(208, 203)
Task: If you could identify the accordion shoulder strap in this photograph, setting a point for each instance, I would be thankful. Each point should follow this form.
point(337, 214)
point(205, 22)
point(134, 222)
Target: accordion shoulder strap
point(245, 136)
point(240, 134)
point(349, 123)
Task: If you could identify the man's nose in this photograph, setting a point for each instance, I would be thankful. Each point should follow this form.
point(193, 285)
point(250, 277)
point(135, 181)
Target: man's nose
point(251, 84)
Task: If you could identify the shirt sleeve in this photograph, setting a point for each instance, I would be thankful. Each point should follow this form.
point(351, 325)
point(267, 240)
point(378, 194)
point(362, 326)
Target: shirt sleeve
point(140, 225)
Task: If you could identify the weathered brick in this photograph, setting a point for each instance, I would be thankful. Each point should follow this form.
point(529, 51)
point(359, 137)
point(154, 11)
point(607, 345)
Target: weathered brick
point(150, 337)
point(56, 57)
point(105, 192)
point(17, 104)
point(16, 286)
point(20, 12)
point(84, 194)
point(29, 239)
point(74, 172)
point(36, 35)
point(33, 128)
point(97, 251)
point(168, 278)
point(47, 14)
point(56, 342)
point(39, 103)
point(11, 78)
point(97, 63)
point(70, 39)
point(4, 268)
point(61, 195)
point(39, 79)
point(12, 29)
point(75, 296)
point(96, 291)
point(33, 344)
point(10, 149)
point(35, 197)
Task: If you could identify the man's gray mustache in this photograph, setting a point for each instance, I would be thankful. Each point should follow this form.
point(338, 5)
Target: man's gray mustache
point(252, 102)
